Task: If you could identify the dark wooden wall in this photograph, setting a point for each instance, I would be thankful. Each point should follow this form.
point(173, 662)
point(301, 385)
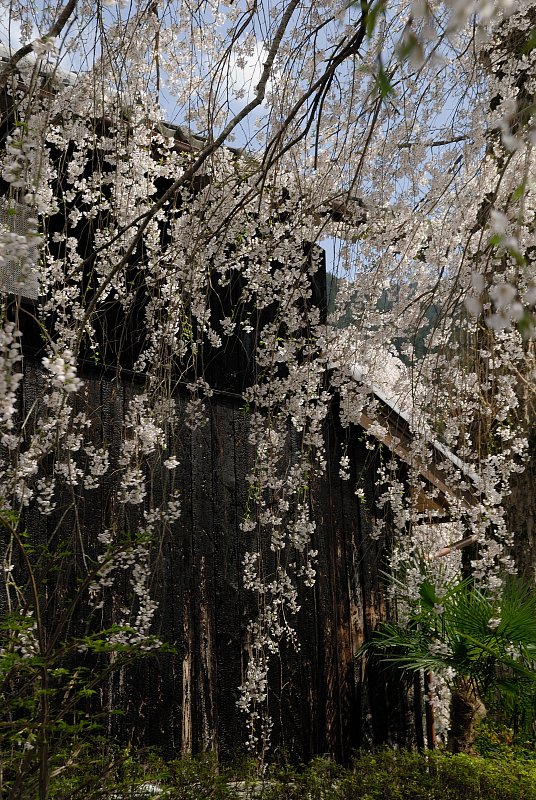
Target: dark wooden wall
point(322, 702)
point(185, 701)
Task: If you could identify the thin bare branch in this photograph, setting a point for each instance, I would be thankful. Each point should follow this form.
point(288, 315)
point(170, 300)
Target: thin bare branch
point(26, 49)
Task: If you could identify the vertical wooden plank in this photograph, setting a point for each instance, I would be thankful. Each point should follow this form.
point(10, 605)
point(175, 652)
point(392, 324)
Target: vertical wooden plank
point(374, 712)
point(187, 736)
point(112, 404)
point(243, 464)
point(91, 512)
point(387, 706)
point(31, 406)
point(206, 678)
point(111, 417)
point(297, 681)
point(338, 569)
point(180, 600)
point(227, 575)
point(173, 597)
point(350, 583)
point(359, 540)
point(203, 590)
point(131, 689)
point(169, 674)
point(327, 688)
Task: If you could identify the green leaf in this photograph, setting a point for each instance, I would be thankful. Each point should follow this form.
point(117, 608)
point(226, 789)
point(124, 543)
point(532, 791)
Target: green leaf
point(526, 325)
point(372, 15)
point(384, 84)
point(519, 192)
point(499, 240)
point(428, 595)
point(477, 651)
point(408, 45)
point(86, 692)
point(530, 44)
point(496, 239)
point(518, 257)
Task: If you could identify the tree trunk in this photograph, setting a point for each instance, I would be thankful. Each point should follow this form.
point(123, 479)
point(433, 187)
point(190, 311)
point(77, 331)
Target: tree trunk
point(466, 709)
point(521, 516)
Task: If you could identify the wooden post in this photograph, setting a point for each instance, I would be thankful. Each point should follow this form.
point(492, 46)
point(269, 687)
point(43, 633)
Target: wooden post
point(418, 712)
point(429, 711)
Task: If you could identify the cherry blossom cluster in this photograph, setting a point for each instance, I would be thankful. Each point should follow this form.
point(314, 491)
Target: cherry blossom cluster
point(405, 147)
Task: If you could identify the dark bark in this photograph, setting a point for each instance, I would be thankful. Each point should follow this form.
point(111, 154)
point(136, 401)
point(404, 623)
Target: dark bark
point(466, 709)
point(521, 515)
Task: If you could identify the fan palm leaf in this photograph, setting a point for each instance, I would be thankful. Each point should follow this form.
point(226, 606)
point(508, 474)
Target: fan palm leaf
point(485, 638)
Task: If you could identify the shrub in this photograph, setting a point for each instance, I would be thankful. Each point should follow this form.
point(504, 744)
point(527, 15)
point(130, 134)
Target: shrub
point(392, 775)
point(384, 775)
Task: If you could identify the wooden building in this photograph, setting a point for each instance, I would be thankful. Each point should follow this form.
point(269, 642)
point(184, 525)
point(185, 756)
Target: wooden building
point(322, 698)
point(183, 701)
point(186, 700)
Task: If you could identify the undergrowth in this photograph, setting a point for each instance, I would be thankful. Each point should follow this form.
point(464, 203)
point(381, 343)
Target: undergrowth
point(505, 774)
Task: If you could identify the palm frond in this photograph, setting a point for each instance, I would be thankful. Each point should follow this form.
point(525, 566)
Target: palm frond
point(477, 634)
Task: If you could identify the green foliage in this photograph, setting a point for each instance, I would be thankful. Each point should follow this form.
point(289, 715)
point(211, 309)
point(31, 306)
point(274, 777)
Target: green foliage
point(51, 669)
point(396, 775)
point(383, 81)
point(197, 779)
point(497, 740)
point(486, 637)
point(530, 43)
point(313, 782)
point(374, 10)
point(96, 770)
